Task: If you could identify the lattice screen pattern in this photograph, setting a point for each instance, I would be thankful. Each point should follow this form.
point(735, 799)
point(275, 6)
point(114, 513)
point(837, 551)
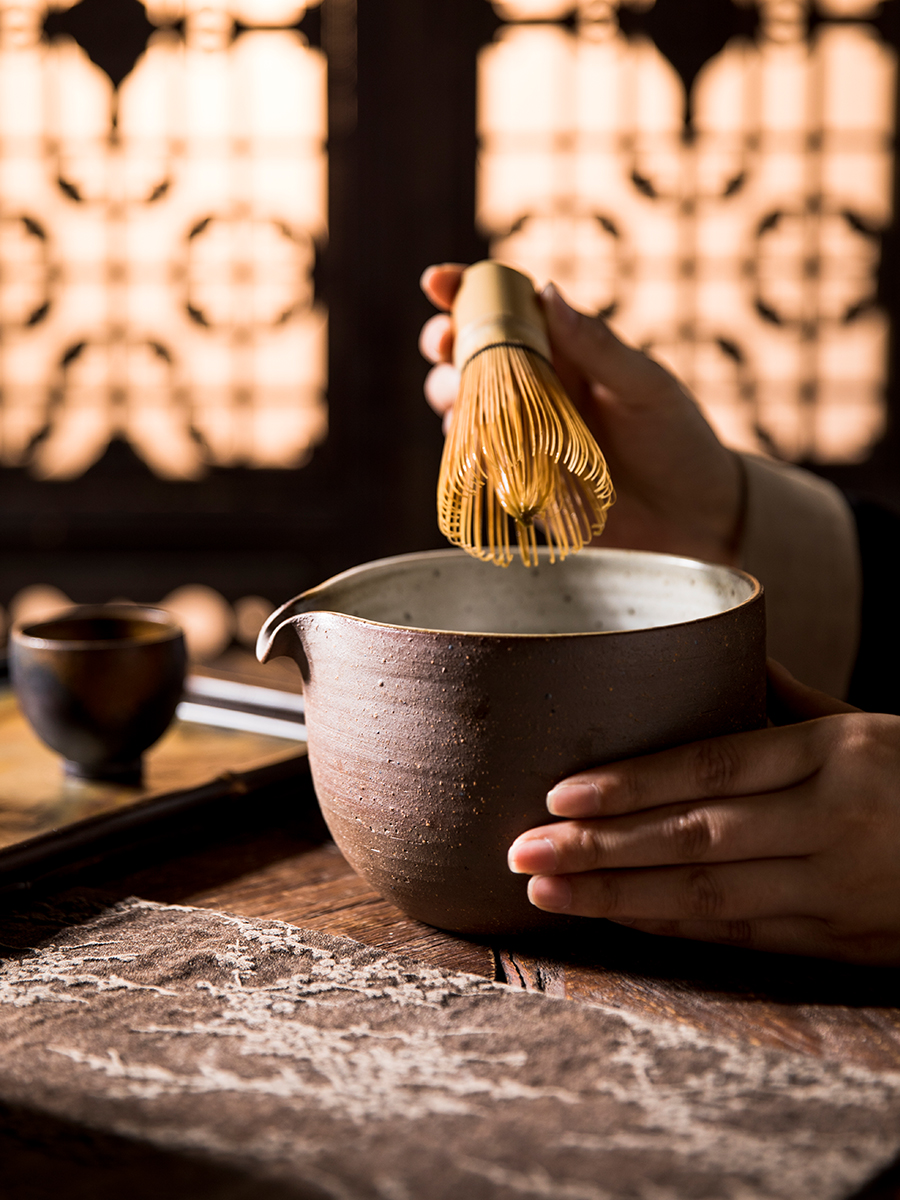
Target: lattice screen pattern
point(157, 242)
point(733, 232)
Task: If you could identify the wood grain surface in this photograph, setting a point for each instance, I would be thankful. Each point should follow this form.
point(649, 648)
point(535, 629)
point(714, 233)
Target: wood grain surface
point(293, 873)
point(273, 859)
point(349, 1072)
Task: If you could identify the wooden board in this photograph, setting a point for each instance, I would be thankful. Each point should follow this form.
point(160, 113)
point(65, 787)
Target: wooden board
point(307, 1060)
point(46, 816)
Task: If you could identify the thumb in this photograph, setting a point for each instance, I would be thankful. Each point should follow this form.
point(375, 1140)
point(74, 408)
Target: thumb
point(591, 346)
point(790, 701)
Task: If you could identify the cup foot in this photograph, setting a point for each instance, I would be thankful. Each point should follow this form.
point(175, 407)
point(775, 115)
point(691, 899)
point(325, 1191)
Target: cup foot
point(124, 773)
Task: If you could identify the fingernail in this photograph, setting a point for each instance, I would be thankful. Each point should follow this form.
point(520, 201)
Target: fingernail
point(574, 800)
point(563, 312)
point(550, 892)
point(532, 856)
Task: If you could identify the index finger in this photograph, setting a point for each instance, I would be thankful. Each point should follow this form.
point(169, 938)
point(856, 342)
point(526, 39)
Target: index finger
point(441, 283)
point(738, 764)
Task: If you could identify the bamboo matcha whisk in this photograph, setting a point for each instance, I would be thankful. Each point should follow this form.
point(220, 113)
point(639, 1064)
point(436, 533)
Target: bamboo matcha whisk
point(518, 454)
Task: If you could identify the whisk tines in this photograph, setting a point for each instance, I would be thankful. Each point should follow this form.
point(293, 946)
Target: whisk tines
point(518, 456)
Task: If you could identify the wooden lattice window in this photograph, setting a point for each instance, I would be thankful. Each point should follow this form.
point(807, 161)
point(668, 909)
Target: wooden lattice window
point(158, 229)
point(726, 215)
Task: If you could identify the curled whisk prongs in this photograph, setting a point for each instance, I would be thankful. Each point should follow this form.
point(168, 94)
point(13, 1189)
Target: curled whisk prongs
point(519, 456)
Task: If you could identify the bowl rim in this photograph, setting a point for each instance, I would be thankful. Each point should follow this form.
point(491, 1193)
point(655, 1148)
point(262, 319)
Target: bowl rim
point(282, 613)
point(26, 634)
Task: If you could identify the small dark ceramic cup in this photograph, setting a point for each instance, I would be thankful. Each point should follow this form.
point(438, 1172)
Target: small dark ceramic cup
point(99, 684)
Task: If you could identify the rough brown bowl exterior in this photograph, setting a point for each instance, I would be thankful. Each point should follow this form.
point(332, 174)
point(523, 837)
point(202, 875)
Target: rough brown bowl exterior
point(431, 752)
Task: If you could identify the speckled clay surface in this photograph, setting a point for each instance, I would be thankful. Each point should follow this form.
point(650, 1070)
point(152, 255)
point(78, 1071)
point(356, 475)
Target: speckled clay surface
point(432, 750)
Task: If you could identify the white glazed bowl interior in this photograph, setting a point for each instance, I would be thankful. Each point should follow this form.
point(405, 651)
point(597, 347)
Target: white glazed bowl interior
point(596, 590)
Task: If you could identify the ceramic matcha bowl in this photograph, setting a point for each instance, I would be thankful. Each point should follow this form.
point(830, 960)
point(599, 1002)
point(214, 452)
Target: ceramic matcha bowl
point(444, 697)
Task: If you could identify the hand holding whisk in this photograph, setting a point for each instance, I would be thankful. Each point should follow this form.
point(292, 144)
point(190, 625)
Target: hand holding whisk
point(518, 454)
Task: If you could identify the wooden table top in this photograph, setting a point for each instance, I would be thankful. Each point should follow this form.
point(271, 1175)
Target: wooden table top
point(292, 872)
point(273, 859)
point(287, 869)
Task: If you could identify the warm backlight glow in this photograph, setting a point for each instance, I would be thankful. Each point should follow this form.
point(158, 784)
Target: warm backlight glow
point(742, 252)
point(157, 243)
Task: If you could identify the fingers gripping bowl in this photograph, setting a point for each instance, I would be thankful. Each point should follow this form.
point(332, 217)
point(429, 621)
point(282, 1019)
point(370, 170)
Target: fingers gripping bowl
point(444, 699)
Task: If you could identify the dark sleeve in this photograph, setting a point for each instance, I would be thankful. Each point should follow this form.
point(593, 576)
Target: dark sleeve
point(875, 684)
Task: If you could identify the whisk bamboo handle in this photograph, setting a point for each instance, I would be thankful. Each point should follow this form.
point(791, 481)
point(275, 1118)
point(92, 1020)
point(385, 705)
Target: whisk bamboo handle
point(496, 306)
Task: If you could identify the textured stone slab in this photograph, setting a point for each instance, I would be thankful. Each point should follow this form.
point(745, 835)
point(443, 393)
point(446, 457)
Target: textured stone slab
point(337, 1071)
